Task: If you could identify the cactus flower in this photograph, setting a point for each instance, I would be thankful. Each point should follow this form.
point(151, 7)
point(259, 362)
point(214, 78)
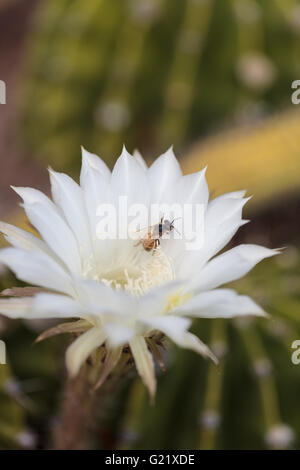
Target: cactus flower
point(122, 296)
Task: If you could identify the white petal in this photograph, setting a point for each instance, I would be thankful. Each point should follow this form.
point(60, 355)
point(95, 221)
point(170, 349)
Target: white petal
point(213, 243)
point(23, 239)
point(82, 347)
point(102, 299)
point(96, 188)
point(129, 187)
point(40, 306)
point(129, 179)
point(191, 262)
point(136, 154)
point(176, 331)
point(221, 209)
point(30, 195)
point(224, 303)
point(144, 363)
point(193, 188)
point(96, 191)
point(68, 196)
point(168, 324)
point(232, 195)
point(93, 172)
point(222, 220)
point(90, 160)
point(225, 233)
point(37, 268)
point(190, 341)
point(16, 307)
point(190, 190)
point(56, 306)
point(231, 265)
point(118, 334)
point(156, 301)
point(44, 215)
point(164, 175)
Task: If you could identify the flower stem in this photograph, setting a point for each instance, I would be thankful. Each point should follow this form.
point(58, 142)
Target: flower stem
point(83, 407)
point(76, 420)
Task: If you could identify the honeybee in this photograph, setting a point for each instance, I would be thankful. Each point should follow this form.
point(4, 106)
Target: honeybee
point(151, 240)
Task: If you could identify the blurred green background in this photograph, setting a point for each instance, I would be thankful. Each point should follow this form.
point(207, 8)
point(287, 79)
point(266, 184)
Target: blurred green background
point(212, 77)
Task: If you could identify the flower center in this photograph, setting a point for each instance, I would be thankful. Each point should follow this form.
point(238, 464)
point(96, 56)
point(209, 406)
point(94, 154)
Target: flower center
point(139, 278)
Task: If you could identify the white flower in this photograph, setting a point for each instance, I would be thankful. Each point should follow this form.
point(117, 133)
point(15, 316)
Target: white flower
point(122, 294)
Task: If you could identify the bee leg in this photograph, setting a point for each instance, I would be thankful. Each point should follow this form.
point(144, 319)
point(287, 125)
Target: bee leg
point(138, 243)
point(156, 245)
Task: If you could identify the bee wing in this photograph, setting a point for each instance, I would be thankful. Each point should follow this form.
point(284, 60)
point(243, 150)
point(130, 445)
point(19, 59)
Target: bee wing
point(146, 230)
point(141, 229)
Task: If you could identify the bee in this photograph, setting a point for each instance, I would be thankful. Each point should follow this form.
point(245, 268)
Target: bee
point(151, 240)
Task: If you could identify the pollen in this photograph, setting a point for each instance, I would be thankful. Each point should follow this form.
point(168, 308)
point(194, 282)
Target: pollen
point(176, 299)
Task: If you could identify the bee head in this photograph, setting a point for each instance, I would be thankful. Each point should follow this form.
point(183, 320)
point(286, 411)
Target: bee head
point(168, 226)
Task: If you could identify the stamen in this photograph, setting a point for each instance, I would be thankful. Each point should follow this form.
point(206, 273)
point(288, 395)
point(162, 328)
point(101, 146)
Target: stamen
point(155, 271)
